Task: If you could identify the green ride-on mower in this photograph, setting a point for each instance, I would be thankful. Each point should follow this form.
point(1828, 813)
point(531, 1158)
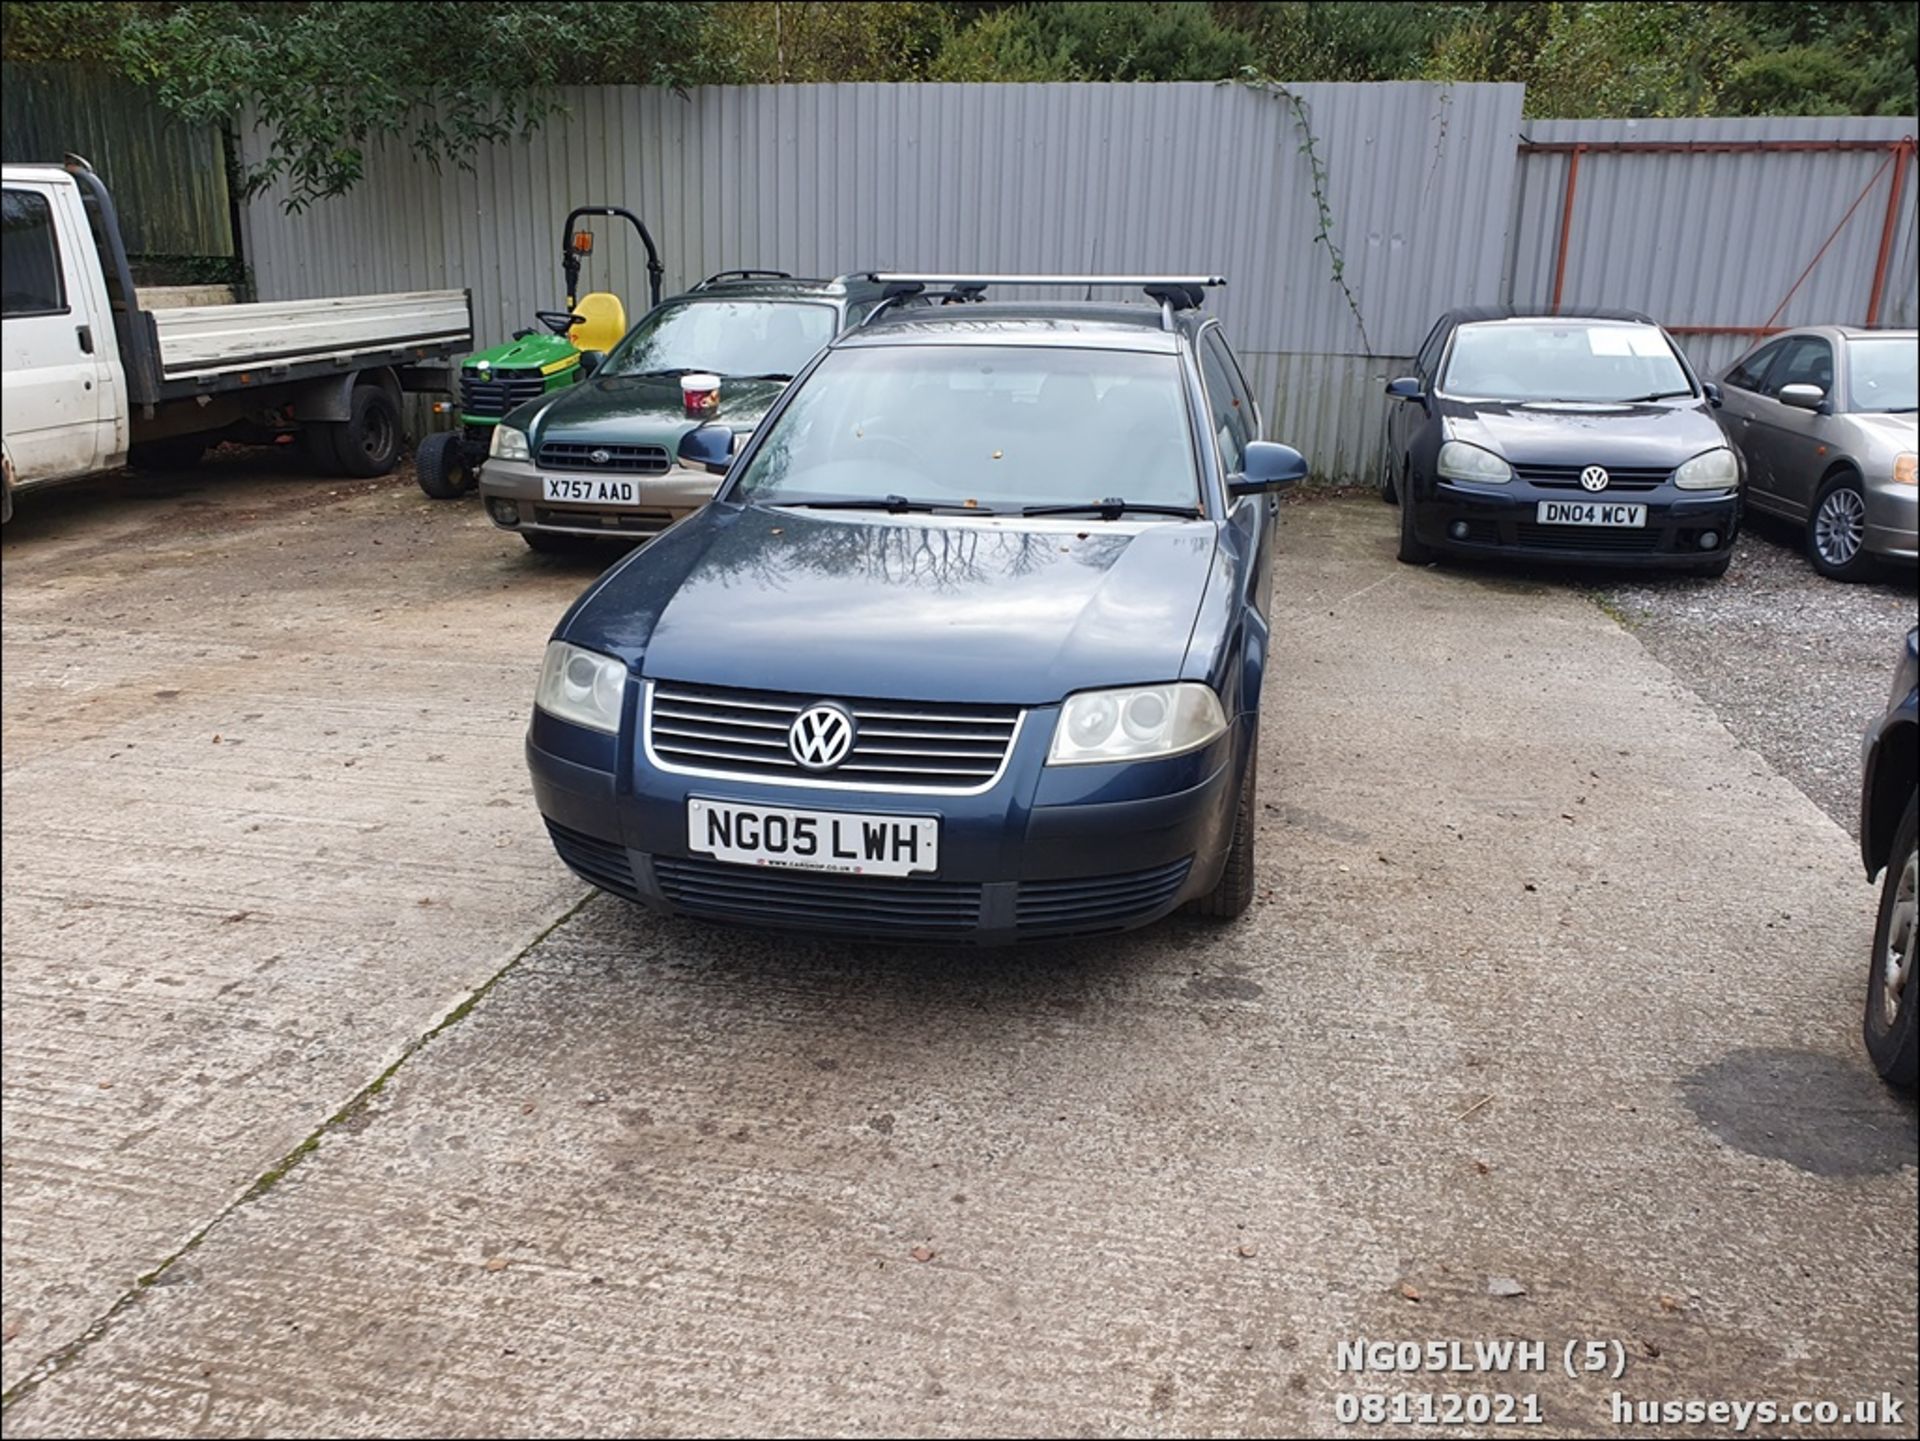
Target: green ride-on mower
point(496, 381)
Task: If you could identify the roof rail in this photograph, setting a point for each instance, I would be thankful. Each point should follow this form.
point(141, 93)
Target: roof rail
point(720, 275)
point(1180, 292)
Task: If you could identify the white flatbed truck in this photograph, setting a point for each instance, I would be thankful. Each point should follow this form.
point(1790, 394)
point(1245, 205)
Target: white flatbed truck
point(98, 374)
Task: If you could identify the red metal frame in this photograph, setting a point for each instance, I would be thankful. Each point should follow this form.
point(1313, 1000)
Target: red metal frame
point(1899, 152)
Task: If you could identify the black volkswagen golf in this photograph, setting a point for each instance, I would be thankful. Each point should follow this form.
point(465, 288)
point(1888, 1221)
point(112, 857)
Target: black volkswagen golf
point(1584, 438)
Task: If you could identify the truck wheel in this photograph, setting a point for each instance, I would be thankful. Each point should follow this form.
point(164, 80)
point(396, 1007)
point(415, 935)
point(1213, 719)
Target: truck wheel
point(368, 442)
point(1231, 897)
point(182, 452)
point(440, 465)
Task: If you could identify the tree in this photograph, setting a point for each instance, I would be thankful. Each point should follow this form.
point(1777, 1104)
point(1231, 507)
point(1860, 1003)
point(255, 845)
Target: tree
point(1097, 40)
point(326, 82)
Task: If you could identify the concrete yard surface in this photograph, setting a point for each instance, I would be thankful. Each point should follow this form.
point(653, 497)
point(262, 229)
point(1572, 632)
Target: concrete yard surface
point(1552, 987)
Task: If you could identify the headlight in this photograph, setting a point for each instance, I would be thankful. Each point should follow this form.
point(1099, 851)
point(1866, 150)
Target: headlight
point(582, 686)
point(1460, 461)
point(1135, 723)
point(1714, 469)
point(1903, 468)
point(509, 444)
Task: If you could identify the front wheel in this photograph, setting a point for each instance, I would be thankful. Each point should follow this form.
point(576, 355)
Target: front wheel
point(1413, 550)
point(1837, 530)
point(440, 465)
point(182, 452)
point(1387, 491)
point(1234, 892)
point(1891, 1027)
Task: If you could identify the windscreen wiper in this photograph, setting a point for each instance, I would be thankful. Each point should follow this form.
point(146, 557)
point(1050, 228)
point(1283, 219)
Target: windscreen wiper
point(1112, 508)
point(672, 372)
point(893, 504)
point(766, 375)
point(1657, 395)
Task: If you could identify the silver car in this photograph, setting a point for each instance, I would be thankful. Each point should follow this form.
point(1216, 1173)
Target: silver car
point(1825, 418)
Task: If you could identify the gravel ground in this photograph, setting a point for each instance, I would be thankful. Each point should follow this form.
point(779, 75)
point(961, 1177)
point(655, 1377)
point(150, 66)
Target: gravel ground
point(1794, 664)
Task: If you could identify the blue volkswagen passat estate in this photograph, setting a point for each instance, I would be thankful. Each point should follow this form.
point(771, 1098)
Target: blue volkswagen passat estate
point(968, 644)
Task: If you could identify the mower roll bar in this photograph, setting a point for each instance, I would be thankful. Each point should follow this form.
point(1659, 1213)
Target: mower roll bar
point(570, 261)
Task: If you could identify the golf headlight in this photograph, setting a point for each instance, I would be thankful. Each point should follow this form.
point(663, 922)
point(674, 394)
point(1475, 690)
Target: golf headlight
point(509, 444)
point(582, 686)
point(1137, 723)
point(1714, 469)
point(1460, 461)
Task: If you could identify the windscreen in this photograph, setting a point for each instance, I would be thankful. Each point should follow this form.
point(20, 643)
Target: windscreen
point(1555, 360)
point(998, 427)
point(725, 337)
point(1884, 373)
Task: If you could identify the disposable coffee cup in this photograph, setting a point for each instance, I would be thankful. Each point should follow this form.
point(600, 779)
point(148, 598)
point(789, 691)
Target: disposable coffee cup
point(701, 394)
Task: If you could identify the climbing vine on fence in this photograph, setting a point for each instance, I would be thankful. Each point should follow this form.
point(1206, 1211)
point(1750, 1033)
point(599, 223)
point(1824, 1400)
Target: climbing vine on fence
point(1317, 186)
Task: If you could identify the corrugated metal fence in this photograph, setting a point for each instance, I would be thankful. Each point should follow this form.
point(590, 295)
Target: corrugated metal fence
point(1711, 241)
point(169, 179)
point(1423, 190)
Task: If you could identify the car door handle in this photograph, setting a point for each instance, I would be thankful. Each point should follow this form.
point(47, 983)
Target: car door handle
point(85, 332)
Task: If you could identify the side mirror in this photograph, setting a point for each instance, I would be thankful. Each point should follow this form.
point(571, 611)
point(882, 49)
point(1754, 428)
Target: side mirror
point(591, 361)
point(1407, 387)
point(1803, 397)
point(710, 448)
point(1712, 393)
point(1268, 467)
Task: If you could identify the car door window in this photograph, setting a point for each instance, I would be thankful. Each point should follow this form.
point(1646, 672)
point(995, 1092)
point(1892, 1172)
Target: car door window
point(1807, 360)
point(1751, 373)
point(30, 278)
point(1428, 355)
point(1232, 412)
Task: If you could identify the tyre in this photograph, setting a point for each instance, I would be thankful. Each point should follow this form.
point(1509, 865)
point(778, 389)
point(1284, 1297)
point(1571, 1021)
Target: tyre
point(1892, 1022)
point(1387, 491)
point(1716, 567)
point(1234, 892)
point(548, 542)
point(182, 452)
point(440, 465)
point(1413, 550)
point(367, 443)
point(1837, 530)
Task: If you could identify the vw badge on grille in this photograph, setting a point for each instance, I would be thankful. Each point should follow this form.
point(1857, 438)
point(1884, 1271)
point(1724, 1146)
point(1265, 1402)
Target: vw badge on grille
point(821, 736)
point(1593, 478)
point(601, 457)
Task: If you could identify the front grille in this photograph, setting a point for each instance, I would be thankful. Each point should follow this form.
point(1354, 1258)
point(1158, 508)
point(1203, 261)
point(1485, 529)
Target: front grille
point(603, 863)
point(1100, 902)
point(624, 459)
point(500, 391)
point(1567, 477)
point(1586, 537)
point(942, 746)
point(764, 895)
point(612, 522)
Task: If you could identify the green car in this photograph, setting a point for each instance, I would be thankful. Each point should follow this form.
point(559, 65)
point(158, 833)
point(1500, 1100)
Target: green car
point(616, 456)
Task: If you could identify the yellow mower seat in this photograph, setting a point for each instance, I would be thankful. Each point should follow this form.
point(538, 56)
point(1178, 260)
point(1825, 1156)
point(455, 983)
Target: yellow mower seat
point(604, 324)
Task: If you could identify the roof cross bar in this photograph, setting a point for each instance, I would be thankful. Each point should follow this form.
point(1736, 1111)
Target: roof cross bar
point(1174, 292)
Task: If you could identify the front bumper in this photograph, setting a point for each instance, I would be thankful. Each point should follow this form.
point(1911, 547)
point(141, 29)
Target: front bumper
point(513, 494)
point(1046, 852)
point(1893, 520)
point(1501, 521)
